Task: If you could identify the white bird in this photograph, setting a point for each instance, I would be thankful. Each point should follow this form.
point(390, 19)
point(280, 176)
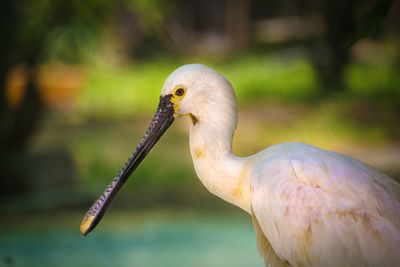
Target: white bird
point(310, 207)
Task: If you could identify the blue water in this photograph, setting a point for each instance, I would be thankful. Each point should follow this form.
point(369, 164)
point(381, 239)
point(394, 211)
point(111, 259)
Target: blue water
point(173, 240)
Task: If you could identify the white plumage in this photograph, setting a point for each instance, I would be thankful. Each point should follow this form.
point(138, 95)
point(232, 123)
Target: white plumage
point(310, 207)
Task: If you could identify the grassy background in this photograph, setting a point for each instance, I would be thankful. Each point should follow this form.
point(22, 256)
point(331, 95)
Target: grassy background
point(115, 90)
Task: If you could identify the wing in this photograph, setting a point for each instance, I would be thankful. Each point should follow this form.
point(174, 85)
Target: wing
point(265, 248)
point(319, 208)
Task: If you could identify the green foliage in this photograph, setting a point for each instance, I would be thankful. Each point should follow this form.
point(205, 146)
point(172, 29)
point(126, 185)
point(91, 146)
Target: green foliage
point(63, 30)
point(152, 14)
point(258, 78)
point(372, 19)
point(367, 80)
point(112, 91)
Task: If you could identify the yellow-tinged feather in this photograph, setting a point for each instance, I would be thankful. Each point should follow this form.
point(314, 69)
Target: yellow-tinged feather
point(198, 153)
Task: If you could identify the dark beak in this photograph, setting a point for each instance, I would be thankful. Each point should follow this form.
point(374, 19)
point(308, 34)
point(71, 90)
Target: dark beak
point(161, 121)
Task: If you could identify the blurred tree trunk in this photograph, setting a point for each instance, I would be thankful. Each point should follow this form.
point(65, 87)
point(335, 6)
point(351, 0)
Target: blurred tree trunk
point(17, 123)
point(238, 23)
point(20, 122)
point(331, 55)
point(213, 26)
point(17, 126)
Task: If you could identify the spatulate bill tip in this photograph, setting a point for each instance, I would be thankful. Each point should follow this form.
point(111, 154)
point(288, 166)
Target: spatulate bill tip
point(86, 225)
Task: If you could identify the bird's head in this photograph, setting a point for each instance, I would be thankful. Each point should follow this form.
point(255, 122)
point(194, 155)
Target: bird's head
point(194, 90)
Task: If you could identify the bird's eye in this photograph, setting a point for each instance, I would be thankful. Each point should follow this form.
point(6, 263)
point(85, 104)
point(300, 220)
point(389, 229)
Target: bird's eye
point(180, 91)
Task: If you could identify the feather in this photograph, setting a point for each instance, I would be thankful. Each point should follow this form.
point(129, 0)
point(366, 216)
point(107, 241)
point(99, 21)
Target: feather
point(265, 248)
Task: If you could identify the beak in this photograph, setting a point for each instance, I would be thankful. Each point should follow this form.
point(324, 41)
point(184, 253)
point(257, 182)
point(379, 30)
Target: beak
point(162, 119)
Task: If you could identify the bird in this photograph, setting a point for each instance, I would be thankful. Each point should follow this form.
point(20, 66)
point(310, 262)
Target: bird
point(309, 206)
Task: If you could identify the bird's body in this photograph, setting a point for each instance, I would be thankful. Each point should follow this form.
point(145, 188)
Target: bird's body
point(319, 208)
point(313, 207)
point(310, 207)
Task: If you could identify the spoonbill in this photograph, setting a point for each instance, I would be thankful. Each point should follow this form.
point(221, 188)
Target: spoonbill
point(310, 207)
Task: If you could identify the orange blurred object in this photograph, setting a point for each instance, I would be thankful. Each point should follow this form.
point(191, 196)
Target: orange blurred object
point(16, 85)
point(59, 85)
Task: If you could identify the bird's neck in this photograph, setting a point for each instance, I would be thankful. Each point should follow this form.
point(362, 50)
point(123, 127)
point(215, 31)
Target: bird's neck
point(221, 172)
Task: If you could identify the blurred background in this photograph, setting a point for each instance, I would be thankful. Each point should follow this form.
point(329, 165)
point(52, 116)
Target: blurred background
point(80, 81)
